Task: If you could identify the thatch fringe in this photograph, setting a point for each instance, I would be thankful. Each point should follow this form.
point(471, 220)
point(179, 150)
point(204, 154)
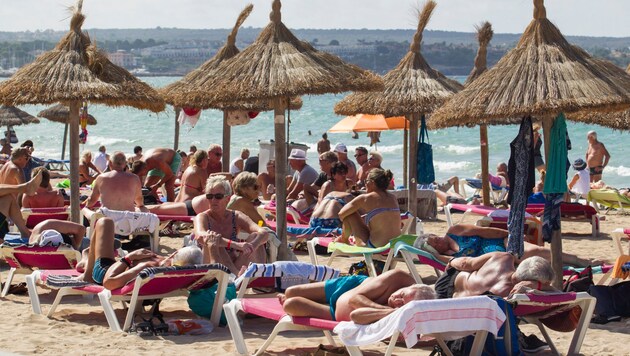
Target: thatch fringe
point(61, 113)
point(278, 64)
point(191, 90)
point(484, 36)
point(75, 70)
point(411, 87)
point(542, 76)
point(12, 116)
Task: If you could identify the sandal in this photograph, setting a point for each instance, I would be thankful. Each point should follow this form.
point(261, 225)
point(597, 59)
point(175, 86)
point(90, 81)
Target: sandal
point(17, 289)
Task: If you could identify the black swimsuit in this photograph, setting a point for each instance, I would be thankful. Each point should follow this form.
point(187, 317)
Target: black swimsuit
point(445, 285)
point(234, 232)
point(190, 211)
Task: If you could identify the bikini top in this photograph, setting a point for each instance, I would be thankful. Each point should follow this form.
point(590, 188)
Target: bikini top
point(234, 232)
point(372, 213)
point(340, 200)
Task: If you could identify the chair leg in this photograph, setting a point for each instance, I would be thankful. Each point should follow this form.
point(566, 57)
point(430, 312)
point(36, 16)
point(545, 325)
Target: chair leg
point(369, 261)
point(478, 343)
point(60, 294)
point(234, 325)
point(392, 343)
point(588, 306)
point(310, 246)
point(284, 324)
point(32, 291)
point(7, 284)
point(408, 258)
point(354, 351)
point(105, 297)
point(329, 337)
point(133, 305)
point(545, 334)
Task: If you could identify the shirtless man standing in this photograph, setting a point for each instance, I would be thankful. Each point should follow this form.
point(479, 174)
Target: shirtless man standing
point(11, 173)
point(361, 299)
point(118, 189)
point(162, 166)
point(597, 156)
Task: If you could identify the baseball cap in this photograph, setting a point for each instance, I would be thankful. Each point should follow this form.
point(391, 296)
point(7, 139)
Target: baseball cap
point(50, 238)
point(340, 147)
point(298, 154)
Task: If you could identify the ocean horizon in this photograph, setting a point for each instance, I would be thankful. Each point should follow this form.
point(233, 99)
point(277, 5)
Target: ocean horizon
point(456, 151)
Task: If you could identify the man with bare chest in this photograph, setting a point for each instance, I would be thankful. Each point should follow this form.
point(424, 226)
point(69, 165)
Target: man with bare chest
point(597, 156)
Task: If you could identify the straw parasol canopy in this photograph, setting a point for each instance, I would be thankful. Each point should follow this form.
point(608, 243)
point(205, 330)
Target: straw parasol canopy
point(278, 66)
point(12, 116)
point(61, 113)
point(542, 76)
point(73, 72)
point(411, 87)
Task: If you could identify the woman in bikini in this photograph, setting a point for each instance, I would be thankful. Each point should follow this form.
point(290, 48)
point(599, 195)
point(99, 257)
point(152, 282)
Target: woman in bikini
point(85, 178)
point(473, 241)
point(218, 228)
point(333, 195)
point(194, 178)
point(245, 198)
point(372, 218)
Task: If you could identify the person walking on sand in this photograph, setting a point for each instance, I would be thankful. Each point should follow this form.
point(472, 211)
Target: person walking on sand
point(597, 156)
point(323, 145)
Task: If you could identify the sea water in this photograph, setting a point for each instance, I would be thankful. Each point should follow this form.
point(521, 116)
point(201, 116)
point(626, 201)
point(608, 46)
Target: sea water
point(456, 151)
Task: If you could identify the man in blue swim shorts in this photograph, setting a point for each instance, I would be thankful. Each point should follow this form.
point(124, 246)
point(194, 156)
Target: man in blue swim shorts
point(161, 168)
point(361, 299)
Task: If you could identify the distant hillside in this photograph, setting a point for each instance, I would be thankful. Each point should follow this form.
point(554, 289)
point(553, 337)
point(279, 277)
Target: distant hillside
point(344, 36)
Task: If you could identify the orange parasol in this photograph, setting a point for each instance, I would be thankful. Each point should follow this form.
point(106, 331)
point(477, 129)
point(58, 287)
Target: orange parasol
point(366, 122)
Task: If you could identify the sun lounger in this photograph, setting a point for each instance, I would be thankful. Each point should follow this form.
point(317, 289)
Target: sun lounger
point(270, 307)
point(57, 165)
point(444, 319)
point(574, 212)
point(609, 198)
point(497, 193)
point(33, 216)
point(151, 283)
point(24, 259)
point(409, 253)
point(481, 210)
point(150, 225)
point(538, 308)
point(340, 249)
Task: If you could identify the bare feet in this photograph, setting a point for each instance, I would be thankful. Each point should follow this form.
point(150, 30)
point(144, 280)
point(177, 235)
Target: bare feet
point(84, 259)
point(243, 269)
point(281, 298)
point(33, 184)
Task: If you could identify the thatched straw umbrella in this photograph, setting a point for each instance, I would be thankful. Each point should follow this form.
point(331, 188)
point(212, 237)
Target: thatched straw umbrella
point(278, 66)
point(12, 116)
point(542, 76)
point(73, 72)
point(61, 113)
point(412, 89)
point(191, 90)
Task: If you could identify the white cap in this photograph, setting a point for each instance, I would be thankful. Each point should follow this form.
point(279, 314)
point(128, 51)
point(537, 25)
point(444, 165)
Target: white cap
point(340, 147)
point(50, 237)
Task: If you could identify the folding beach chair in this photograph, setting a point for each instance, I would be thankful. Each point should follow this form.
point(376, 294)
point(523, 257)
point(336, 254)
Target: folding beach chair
point(532, 229)
point(609, 198)
point(618, 235)
point(33, 216)
point(369, 253)
point(480, 210)
point(125, 220)
point(444, 319)
point(574, 212)
point(24, 259)
point(409, 253)
point(270, 307)
point(57, 165)
point(497, 193)
point(151, 283)
point(540, 308)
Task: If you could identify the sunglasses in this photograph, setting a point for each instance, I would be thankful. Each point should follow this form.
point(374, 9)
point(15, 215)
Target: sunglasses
point(360, 154)
point(217, 196)
point(217, 154)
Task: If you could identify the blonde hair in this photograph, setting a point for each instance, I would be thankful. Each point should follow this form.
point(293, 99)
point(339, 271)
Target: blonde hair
point(85, 155)
point(197, 157)
point(218, 181)
point(244, 180)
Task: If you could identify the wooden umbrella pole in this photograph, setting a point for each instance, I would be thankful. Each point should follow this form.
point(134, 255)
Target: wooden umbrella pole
point(405, 154)
point(281, 184)
point(556, 236)
point(485, 184)
point(176, 140)
point(65, 140)
point(227, 133)
point(74, 161)
point(412, 202)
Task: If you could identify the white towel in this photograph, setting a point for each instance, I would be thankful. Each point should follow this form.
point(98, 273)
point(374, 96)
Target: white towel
point(456, 317)
point(130, 222)
point(305, 271)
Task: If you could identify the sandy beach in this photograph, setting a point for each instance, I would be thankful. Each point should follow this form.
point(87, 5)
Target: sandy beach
point(80, 328)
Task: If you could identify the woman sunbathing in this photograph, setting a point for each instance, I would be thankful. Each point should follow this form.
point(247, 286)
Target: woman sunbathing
point(473, 241)
point(326, 213)
point(372, 218)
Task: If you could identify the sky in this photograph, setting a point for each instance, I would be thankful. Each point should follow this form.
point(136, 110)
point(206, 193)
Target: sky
point(573, 17)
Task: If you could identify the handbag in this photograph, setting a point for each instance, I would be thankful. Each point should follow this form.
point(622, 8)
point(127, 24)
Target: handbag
point(425, 170)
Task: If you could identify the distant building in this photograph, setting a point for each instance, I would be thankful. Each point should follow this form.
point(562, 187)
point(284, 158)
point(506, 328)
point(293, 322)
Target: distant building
point(123, 59)
point(348, 50)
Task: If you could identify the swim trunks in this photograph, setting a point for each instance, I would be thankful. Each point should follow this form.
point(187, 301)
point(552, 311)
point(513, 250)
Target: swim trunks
point(4, 226)
point(331, 223)
point(445, 284)
point(190, 211)
point(177, 161)
point(334, 288)
point(455, 200)
point(101, 266)
point(596, 170)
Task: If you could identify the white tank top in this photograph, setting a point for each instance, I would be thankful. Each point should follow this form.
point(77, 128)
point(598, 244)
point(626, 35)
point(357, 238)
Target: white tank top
point(100, 161)
point(583, 185)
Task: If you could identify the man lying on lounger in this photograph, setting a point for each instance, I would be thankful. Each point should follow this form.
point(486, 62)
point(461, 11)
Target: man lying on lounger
point(361, 299)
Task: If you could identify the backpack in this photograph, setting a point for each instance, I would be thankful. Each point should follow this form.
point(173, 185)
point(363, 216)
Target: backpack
point(579, 281)
point(505, 343)
point(612, 300)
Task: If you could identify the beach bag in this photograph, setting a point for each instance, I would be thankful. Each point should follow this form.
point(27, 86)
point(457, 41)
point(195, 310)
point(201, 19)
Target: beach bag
point(505, 343)
point(579, 281)
point(611, 300)
point(425, 171)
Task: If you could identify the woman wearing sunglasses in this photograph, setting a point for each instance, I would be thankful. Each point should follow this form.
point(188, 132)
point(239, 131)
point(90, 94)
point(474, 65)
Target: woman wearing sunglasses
point(218, 228)
point(245, 198)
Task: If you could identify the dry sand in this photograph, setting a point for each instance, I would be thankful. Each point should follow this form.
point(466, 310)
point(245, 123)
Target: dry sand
point(80, 328)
